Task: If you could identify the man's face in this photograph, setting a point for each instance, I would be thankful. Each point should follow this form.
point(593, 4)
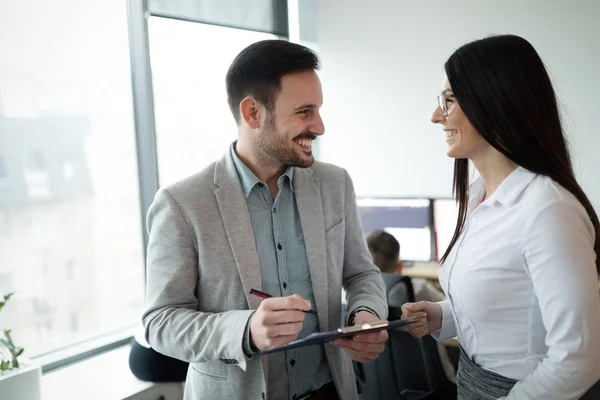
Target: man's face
point(288, 130)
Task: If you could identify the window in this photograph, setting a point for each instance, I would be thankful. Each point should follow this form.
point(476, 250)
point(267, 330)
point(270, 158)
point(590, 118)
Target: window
point(193, 123)
point(74, 322)
point(44, 331)
point(5, 285)
point(41, 306)
point(4, 226)
point(3, 171)
point(36, 162)
point(70, 270)
point(66, 110)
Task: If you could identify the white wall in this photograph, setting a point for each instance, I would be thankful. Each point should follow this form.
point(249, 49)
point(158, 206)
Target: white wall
point(383, 67)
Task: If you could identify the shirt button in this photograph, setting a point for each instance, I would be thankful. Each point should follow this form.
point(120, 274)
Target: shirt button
point(263, 395)
point(275, 210)
point(260, 184)
point(292, 362)
point(284, 285)
point(279, 246)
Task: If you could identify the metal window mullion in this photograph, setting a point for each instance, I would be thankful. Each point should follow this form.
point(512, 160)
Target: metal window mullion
point(143, 105)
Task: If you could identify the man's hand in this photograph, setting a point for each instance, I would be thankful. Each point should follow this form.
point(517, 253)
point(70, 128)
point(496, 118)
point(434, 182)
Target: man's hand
point(366, 347)
point(277, 321)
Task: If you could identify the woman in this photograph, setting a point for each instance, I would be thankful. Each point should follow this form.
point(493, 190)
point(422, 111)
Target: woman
point(521, 271)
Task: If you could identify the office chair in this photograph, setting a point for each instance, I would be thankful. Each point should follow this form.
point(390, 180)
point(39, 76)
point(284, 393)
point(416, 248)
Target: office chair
point(409, 368)
point(399, 290)
point(391, 374)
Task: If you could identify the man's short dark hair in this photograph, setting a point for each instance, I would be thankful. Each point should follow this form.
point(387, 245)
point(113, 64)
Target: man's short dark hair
point(258, 69)
point(385, 250)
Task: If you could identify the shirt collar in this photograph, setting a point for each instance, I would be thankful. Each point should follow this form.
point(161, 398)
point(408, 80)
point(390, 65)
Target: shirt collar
point(476, 193)
point(507, 193)
point(248, 179)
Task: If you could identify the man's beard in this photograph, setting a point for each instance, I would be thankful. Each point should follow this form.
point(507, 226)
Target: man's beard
point(274, 145)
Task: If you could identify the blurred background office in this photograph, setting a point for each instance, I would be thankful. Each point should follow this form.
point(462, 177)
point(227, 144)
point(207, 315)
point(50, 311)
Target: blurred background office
point(103, 102)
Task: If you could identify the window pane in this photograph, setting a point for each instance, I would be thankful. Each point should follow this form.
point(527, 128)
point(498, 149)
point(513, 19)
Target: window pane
point(193, 123)
point(70, 229)
point(3, 172)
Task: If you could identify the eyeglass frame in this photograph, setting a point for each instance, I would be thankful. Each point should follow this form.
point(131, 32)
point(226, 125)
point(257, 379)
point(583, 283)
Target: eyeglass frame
point(442, 98)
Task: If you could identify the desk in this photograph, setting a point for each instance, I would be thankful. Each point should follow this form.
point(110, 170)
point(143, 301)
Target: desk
point(425, 270)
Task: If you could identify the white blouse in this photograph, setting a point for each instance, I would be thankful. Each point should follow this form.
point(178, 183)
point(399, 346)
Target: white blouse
point(522, 288)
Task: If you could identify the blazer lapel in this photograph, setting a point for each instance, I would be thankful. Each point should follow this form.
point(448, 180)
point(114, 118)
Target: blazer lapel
point(310, 209)
point(236, 219)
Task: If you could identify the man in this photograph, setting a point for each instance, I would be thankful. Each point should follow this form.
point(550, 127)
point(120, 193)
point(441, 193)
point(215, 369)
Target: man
point(385, 250)
point(265, 216)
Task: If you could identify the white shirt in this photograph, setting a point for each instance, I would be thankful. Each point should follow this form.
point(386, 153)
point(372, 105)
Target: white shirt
point(522, 288)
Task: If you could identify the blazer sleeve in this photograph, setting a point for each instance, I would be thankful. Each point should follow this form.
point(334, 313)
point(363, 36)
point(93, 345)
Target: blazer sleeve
point(173, 323)
point(361, 278)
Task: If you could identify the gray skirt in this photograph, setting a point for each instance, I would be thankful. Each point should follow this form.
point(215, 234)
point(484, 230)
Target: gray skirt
point(476, 383)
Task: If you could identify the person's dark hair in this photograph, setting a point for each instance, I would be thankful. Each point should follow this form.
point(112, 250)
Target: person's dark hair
point(503, 88)
point(258, 69)
point(385, 250)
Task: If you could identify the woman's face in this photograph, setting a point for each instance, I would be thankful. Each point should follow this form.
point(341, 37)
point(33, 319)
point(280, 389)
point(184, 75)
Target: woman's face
point(463, 139)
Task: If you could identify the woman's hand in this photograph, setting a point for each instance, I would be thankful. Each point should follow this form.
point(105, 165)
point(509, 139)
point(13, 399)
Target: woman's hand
point(428, 317)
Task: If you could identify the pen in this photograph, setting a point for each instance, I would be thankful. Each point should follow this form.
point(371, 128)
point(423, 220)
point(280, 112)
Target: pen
point(264, 295)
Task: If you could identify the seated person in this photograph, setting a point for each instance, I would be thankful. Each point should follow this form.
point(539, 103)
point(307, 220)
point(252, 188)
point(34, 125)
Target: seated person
point(149, 365)
point(385, 250)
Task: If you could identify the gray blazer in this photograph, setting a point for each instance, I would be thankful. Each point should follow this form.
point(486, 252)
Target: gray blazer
point(202, 263)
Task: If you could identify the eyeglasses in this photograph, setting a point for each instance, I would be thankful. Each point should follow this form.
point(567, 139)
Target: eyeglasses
point(443, 103)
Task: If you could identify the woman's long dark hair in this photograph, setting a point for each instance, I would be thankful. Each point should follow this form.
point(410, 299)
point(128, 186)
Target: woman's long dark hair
point(504, 90)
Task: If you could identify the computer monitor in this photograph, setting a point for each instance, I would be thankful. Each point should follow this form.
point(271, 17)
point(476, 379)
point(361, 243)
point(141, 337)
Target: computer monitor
point(445, 214)
point(410, 221)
